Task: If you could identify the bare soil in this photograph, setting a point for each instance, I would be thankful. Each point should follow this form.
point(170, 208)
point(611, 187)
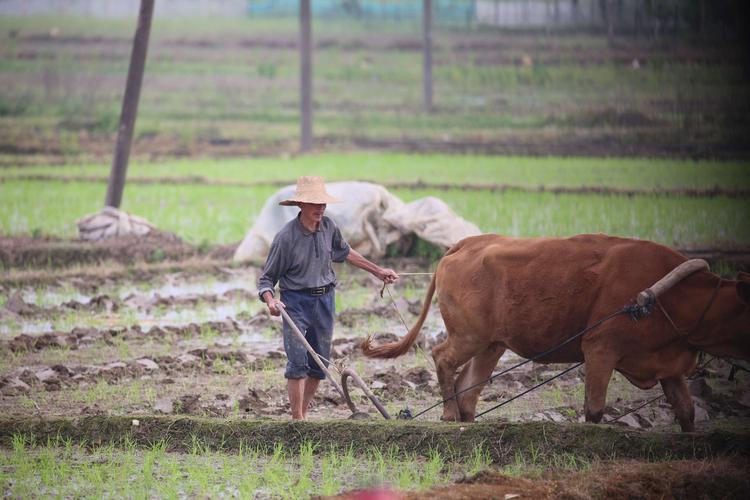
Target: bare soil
point(721, 478)
point(44, 259)
point(184, 347)
point(711, 192)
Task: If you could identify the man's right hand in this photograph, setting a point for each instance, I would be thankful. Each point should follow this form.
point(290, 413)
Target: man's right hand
point(274, 306)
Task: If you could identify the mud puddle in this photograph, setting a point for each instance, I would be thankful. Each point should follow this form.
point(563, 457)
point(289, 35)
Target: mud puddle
point(200, 343)
point(169, 285)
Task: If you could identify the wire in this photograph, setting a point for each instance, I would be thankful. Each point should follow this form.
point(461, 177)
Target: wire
point(531, 389)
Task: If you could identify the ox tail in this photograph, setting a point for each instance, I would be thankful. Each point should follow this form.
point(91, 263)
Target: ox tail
point(396, 349)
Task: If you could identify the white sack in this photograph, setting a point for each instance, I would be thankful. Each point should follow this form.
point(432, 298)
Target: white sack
point(110, 223)
point(432, 220)
point(370, 219)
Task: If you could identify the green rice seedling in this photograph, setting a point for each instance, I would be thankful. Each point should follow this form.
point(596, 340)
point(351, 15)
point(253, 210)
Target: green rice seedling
point(197, 447)
point(669, 220)
point(222, 367)
point(479, 460)
point(431, 471)
point(19, 443)
point(55, 355)
point(552, 396)
point(644, 173)
point(406, 476)
point(124, 349)
point(355, 297)
point(347, 460)
point(208, 334)
point(275, 474)
point(268, 375)
point(330, 484)
point(303, 484)
point(170, 478)
point(569, 462)
point(199, 474)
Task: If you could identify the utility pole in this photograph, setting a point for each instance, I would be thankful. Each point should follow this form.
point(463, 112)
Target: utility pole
point(305, 29)
point(129, 106)
point(427, 54)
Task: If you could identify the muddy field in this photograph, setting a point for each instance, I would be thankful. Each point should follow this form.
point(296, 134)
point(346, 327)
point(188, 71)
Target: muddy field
point(187, 338)
point(115, 353)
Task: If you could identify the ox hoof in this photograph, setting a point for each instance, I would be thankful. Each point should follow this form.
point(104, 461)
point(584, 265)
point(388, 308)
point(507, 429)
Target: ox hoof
point(450, 418)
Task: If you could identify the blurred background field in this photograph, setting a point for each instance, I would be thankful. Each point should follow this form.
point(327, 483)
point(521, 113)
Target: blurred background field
point(538, 95)
point(229, 86)
point(549, 118)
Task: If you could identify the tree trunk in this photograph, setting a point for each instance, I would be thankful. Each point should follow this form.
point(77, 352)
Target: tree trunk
point(129, 106)
point(556, 12)
point(608, 18)
point(427, 53)
point(637, 18)
point(305, 29)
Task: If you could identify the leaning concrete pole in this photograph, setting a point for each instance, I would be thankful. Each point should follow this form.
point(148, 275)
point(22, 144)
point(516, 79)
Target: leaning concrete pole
point(305, 30)
point(129, 106)
point(427, 53)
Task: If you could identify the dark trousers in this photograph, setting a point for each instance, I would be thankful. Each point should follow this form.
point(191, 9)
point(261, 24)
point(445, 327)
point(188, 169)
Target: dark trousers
point(314, 316)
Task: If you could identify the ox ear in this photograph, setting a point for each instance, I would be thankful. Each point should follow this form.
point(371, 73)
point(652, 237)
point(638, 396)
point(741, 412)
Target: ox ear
point(743, 287)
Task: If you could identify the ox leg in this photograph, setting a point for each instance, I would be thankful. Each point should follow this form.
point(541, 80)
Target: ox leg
point(448, 357)
point(599, 370)
point(477, 369)
point(675, 388)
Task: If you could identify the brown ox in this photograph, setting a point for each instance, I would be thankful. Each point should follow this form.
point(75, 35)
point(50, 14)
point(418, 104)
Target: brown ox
point(530, 294)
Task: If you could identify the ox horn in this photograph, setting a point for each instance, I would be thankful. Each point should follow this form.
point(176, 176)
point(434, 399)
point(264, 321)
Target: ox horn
point(649, 295)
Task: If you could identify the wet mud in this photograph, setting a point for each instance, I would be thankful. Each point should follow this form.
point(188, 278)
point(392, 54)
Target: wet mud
point(191, 342)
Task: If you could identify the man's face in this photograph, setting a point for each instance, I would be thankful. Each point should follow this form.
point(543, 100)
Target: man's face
point(312, 211)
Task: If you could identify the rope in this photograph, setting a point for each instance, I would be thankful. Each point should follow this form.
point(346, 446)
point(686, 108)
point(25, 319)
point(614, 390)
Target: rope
point(636, 312)
point(626, 309)
point(634, 409)
point(692, 377)
point(393, 303)
point(531, 389)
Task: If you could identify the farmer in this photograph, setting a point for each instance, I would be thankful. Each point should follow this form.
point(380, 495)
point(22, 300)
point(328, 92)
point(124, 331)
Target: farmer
point(300, 260)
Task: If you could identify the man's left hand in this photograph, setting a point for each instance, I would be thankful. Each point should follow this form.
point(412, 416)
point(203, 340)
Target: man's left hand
point(387, 275)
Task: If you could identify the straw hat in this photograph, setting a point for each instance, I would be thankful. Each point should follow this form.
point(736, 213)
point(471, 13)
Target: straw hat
point(310, 189)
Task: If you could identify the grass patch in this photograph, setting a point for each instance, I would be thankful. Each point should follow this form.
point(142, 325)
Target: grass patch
point(632, 173)
point(222, 214)
point(59, 467)
point(453, 441)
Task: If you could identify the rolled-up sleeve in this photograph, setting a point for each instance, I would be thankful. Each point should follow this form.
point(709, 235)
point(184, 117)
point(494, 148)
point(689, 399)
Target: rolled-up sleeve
point(273, 269)
point(339, 247)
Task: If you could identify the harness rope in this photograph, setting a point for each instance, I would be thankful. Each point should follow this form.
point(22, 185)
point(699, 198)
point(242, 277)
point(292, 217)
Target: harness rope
point(633, 410)
point(683, 331)
point(636, 312)
point(627, 309)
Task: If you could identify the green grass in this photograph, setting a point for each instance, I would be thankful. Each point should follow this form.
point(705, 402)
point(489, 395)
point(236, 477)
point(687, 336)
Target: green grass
point(61, 469)
point(641, 173)
point(223, 214)
point(532, 463)
point(216, 214)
